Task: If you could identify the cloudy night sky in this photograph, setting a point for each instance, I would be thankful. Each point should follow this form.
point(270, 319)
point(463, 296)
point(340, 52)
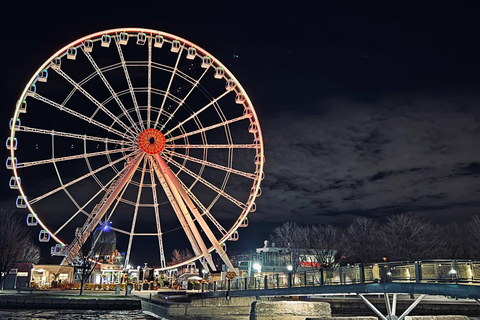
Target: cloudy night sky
point(365, 110)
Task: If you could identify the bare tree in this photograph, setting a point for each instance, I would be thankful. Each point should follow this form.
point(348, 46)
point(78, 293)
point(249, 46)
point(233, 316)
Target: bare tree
point(457, 245)
point(292, 238)
point(408, 237)
point(363, 237)
point(30, 253)
point(473, 236)
point(85, 255)
point(327, 244)
point(179, 256)
point(15, 245)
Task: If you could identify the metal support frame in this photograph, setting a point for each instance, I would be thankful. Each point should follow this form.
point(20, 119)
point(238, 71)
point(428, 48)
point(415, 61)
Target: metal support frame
point(478, 301)
point(182, 196)
point(391, 308)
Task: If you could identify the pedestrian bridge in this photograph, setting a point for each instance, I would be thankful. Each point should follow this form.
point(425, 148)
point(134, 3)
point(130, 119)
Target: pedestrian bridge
point(452, 278)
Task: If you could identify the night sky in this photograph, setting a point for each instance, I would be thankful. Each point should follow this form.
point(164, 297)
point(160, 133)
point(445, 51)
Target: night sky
point(365, 110)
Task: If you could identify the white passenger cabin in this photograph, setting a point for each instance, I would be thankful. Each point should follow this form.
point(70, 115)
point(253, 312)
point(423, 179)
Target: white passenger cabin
point(234, 236)
point(244, 223)
point(105, 40)
point(9, 143)
point(219, 72)
point(158, 41)
point(141, 38)
point(21, 202)
point(239, 98)
point(14, 183)
point(14, 123)
point(72, 53)
point(230, 85)
point(43, 75)
point(191, 53)
point(56, 63)
point(175, 46)
point(58, 250)
point(32, 89)
point(44, 236)
point(88, 45)
point(23, 106)
point(32, 220)
point(123, 38)
point(11, 163)
point(206, 62)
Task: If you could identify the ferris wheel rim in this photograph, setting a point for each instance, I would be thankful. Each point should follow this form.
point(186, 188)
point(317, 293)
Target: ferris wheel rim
point(256, 185)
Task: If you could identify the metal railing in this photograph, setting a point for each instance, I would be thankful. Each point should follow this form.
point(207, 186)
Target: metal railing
point(425, 271)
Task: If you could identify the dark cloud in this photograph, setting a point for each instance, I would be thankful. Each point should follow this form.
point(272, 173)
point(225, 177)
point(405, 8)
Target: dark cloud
point(388, 156)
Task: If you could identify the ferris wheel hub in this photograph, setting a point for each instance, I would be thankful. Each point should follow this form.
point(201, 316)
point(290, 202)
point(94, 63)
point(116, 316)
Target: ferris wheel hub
point(151, 141)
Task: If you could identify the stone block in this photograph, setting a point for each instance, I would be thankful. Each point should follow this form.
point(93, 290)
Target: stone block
point(178, 311)
point(223, 302)
point(288, 310)
point(226, 310)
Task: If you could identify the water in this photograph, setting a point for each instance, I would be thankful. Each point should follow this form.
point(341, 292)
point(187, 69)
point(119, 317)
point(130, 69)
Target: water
point(77, 315)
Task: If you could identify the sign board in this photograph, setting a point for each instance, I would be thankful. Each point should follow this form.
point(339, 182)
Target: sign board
point(231, 275)
point(22, 274)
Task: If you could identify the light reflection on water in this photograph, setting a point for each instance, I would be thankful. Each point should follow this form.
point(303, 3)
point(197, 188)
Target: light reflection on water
point(15, 314)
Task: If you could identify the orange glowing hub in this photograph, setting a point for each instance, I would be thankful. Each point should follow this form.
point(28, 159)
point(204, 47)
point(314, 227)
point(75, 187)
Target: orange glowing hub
point(151, 141)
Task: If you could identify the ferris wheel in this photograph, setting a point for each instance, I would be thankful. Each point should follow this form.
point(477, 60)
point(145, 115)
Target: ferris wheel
point(141, 132)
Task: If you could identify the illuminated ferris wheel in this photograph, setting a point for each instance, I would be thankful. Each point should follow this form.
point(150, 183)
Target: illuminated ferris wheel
point(142, 132)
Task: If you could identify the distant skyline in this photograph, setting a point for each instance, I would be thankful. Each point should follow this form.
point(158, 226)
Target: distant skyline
point(365, 110)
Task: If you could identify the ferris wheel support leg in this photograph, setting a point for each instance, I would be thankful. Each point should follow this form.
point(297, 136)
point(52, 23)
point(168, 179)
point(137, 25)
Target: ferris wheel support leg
point(106, 202)
point(176, 184)
point(180, 214)
point(183, 207)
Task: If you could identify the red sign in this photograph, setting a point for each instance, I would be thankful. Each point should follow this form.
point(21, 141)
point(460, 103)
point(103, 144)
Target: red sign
point(310, 264)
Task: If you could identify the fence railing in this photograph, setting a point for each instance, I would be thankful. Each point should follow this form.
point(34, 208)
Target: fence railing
point(436, 271)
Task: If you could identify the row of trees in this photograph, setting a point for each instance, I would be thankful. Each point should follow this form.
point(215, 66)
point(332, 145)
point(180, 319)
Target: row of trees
point(402, 237)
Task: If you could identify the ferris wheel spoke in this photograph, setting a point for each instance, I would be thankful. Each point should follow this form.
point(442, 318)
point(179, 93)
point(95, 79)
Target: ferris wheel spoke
point(181, 214)
point(205, 129)
point(79, 156)
point(72, 135)
point(82, 209)
point(80, 115)
point(208, 184)
point(149, 79)
point(194, 86)
point(213, 146)
point(110, 89)
point(94, 101)
point(195, 114)
point(177, 187)
point(157, 217)
point(66, 185)
point(135, 213)
point(129, 82)
point(167, 92)
point(212, 165)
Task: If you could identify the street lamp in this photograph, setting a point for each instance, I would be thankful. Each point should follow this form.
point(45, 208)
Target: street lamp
point(258, 267)
point(289, 267)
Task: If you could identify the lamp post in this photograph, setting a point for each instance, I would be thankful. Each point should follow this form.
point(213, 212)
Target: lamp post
point(289, 268)
point(258, 268)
